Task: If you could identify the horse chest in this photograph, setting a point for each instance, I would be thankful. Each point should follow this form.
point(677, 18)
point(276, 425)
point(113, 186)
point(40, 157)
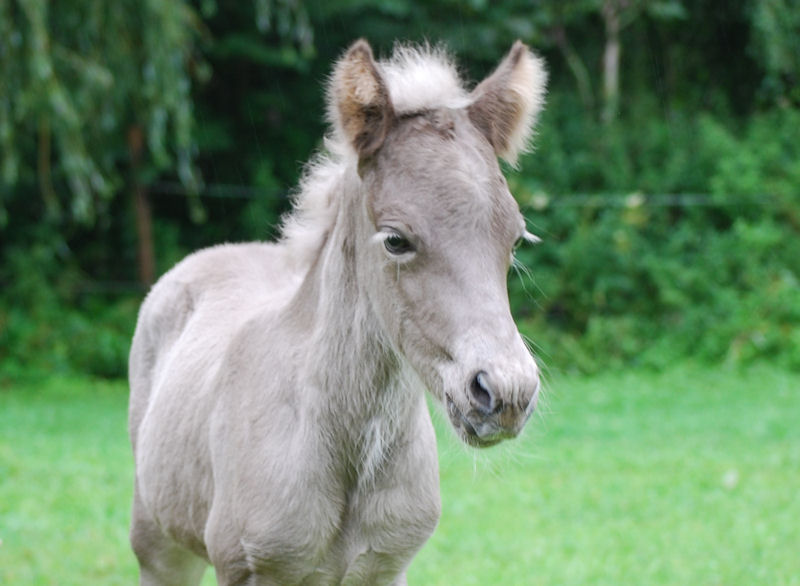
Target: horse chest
point(378, 533)
point(362, 528)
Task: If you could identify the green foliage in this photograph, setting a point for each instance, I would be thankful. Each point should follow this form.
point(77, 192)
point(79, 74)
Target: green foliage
point(80, 74)
point(776, 24)
point(47, 322)
point(641, 279)
point(629, 271)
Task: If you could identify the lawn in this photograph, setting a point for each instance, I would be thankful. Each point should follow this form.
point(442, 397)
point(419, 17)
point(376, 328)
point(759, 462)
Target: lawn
point(690, 476)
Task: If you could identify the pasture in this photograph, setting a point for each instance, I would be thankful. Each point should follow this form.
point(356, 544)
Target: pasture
point(689, 476)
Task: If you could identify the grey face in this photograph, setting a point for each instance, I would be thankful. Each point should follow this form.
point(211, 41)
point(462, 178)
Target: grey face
point(444, 228)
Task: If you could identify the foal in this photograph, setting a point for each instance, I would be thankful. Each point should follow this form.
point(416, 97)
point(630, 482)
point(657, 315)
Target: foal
point(277, 410)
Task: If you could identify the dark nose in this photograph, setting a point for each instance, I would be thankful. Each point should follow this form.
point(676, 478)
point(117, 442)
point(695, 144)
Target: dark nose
point(481, 395)
point(487, 399)
point(499, 406)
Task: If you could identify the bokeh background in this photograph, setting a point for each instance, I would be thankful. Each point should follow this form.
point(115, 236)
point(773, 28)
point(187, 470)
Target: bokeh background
point(664, 183)
point(664, 180)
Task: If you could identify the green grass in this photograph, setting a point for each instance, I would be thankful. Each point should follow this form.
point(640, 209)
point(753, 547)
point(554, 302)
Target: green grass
point(691, 476)
point(65, 483)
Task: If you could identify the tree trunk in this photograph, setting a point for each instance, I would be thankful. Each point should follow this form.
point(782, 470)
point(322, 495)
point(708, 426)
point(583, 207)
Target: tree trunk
point(611, 17)
point(146, 259)
point(51, 208)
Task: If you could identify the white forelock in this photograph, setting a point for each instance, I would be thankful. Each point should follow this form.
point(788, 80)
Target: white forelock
point(418, 77)
point(422, 78)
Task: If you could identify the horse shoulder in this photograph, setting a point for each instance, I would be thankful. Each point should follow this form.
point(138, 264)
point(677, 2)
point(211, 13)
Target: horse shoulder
point(216, 285)
point(206, 278)
point(187, 326)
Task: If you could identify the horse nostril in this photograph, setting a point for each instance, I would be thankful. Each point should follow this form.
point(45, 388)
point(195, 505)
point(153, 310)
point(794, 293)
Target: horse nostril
point(481, 395)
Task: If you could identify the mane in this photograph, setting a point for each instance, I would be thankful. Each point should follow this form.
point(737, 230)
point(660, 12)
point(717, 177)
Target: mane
point(418, 77)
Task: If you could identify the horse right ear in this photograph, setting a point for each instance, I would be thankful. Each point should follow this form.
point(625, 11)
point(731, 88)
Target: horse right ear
point(505, 104)
point(358, 100)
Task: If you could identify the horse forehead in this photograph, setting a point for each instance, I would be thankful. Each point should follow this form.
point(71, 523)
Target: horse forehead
point(439, 144)
point(439, 167)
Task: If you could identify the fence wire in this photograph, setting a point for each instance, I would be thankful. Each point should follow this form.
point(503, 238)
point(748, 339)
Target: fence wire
point(537, 201)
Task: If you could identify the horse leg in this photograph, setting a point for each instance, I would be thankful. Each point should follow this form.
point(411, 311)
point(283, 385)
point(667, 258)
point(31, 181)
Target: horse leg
point(375, 568)
point(162, 562)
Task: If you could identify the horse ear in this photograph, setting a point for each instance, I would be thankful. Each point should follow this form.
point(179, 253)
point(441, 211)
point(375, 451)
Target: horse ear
point(358, 100)
point(505, 105)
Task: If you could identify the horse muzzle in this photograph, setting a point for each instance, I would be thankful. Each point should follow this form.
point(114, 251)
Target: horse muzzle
point(496, 407)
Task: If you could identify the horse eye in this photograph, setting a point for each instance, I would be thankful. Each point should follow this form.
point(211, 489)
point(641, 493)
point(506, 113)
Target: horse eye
point(397, 245)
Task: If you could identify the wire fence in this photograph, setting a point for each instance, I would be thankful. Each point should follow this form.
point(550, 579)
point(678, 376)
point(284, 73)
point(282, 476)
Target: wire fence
point(217, 191)
point(537, 202)
point(639, 199)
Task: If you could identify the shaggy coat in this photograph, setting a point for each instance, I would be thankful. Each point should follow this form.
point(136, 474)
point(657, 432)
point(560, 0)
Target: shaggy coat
point(277, 411)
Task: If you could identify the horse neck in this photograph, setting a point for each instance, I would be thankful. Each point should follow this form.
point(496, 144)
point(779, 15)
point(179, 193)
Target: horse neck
point(359, 376)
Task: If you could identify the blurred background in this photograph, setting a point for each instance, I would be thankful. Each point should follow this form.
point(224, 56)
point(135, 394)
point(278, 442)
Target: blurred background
point(665, 181)
point(663, 301)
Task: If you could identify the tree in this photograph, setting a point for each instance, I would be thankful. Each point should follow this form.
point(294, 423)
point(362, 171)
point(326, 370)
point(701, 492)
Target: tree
point(102, 94)
point(617, 15)
point(776, 27)
point(79, 74)
point(80, 77)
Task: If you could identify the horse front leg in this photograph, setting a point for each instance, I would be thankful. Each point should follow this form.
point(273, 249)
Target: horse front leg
point(162, 562)
point(371, 567)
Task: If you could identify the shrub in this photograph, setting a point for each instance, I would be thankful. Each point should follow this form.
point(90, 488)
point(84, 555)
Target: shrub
point(49, 323)
point(624, 279)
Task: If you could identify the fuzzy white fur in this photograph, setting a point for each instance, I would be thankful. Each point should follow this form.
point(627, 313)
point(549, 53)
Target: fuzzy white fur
point(418, 78)
point(277, 408)
point(528, 82)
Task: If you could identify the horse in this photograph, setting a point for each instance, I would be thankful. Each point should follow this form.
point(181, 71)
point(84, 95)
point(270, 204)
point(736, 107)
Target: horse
point(277, 412)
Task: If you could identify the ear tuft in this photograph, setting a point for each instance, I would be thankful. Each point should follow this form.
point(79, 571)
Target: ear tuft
point(506, 104)
point(358, 100)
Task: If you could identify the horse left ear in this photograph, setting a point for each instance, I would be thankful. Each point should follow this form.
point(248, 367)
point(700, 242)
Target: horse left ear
point(358, 100)
point(505, 105)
